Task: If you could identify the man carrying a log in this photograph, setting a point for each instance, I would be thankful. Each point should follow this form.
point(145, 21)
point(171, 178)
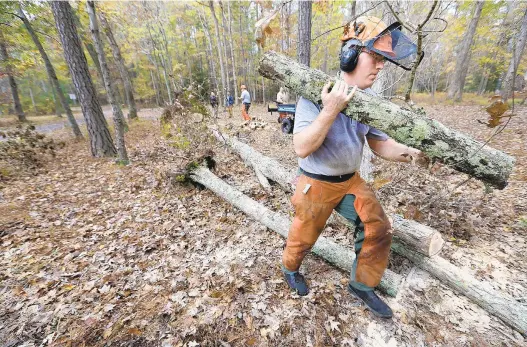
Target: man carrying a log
point(330, 146)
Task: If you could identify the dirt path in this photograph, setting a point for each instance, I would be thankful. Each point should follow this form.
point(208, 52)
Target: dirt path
point(96, 254)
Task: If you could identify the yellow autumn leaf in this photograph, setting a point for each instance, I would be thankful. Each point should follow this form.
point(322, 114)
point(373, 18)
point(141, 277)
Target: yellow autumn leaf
point(68, 286)
point(379, 182)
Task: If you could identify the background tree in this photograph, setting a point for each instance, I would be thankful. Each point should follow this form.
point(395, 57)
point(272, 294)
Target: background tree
point(51, 74)
point(101, 143)
point(455, 90)
point(304, 32)
point(519, 46)
point(219, 50)
point(4, 56)
point(123, 71)
point(118, 118)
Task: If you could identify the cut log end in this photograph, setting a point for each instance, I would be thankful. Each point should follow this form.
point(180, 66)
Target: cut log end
point(436, 244)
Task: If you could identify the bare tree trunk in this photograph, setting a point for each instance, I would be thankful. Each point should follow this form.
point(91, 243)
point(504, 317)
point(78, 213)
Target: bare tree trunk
point(326, 50)
point(51, 75)
point(156, 89)
point(157, 55)
point(518, 48)
point(234, 75)
point(55, 99)
point(243, 50)
point(118, 118)
point(224, 45)
point(100, 139)
point(123, 70)
point(4, 56)
point(212, 69)
point(303, 52)
point(455, 90)
point(219, 50)
point(263, 90)
point(153, 58)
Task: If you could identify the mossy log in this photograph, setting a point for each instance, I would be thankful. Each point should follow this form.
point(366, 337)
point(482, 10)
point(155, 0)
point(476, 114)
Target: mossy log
point(327, 249)
point(419, 237)
point(433, 138)
point(493, 301)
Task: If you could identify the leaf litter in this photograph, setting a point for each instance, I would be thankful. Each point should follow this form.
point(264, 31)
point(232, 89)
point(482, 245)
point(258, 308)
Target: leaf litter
point(96, 254)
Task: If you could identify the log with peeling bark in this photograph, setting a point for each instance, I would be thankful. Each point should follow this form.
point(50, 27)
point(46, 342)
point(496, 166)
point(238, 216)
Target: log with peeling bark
point(329, 250)
point(433, 138)
point(419, 237)
point(414, 237)
point(493, 301)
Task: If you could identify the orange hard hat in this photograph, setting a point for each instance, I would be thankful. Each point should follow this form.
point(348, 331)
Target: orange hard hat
point(366, 28)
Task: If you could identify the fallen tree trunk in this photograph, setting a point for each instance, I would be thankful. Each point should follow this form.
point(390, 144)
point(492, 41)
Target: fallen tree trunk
point(419, 237)
point(329, 250)
point(495, 302)
point(413, 237)
point(440, 143)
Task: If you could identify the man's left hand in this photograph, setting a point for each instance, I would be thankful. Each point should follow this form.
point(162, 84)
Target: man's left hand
point(417, 157)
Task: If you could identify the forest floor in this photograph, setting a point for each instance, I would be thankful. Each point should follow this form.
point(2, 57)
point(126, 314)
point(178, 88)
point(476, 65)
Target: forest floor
point(96, 254)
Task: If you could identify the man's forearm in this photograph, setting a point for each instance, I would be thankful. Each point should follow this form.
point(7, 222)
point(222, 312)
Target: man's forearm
point(310, 139)
point(391, 150)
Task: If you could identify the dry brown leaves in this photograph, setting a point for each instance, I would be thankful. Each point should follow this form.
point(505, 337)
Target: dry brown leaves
point(96, 254)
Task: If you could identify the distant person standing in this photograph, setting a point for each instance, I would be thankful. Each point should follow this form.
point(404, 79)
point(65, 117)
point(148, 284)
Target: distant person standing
point(282, 97)
point(246, 101)
point(229, 101)
point(214, 103)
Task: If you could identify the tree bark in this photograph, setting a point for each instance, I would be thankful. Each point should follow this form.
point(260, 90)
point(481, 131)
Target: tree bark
point(326, 248)
point(51, 75)
point(244, 58)
point(304, 32)
point(433, 138)
point(521, 39)
point(219, 50)
point(419, 237)
point(123, 70)
point(118, 118)
point(212, 69)
point(495, 302)
point(234, 75)
point(225, 55)
point(101, 143)
point(4, 56)
point(455, 90)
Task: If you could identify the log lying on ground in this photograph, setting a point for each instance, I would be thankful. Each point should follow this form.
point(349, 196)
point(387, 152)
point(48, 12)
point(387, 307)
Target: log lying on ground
point(415, 239)
point(440, 143)
point(495, 302)
point(421, 238)
point(329, 250)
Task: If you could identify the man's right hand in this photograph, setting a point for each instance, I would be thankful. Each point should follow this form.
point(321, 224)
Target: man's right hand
point(336, 100)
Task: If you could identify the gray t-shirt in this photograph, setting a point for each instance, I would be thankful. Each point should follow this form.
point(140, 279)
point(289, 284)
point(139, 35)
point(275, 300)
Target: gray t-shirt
point(246, 98)
point(341, 151)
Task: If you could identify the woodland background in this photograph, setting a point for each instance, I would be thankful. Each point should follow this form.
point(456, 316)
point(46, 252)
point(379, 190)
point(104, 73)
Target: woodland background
point(169, 45)
point(99, 252)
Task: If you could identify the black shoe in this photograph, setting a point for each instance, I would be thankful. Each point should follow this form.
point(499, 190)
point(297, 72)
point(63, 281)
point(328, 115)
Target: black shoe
point(372, 301)
point(297, 282)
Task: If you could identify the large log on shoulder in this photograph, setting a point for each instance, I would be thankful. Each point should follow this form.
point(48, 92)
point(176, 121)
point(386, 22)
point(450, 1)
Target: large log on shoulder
point(433, 138)
point(418, 237)
point(329, 250)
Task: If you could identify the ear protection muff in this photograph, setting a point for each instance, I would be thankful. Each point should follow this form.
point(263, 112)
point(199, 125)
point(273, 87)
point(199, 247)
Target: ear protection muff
point(349, 54)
